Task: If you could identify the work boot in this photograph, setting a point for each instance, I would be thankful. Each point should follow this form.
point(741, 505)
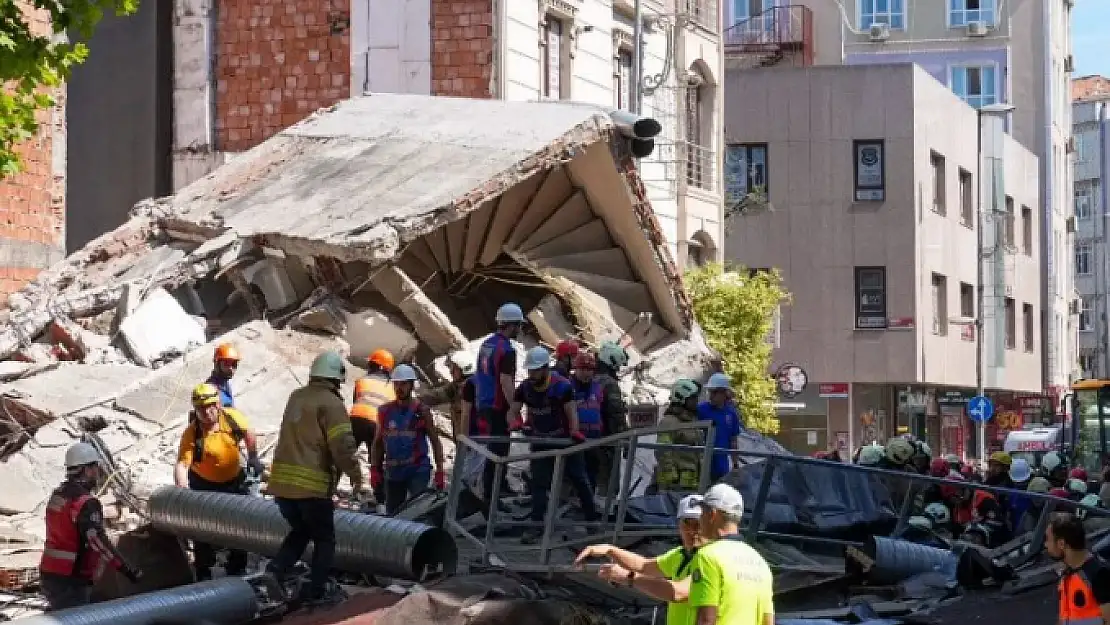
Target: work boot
point(332, 594)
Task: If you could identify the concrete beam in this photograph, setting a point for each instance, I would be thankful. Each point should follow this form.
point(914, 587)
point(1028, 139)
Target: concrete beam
point(431, 324)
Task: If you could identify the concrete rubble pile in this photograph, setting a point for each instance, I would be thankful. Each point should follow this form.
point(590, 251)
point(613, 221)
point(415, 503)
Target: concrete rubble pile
point(383, 222)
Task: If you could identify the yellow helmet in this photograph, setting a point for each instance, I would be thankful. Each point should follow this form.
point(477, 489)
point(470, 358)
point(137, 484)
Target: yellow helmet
point(205, 395)
point(1002, 458)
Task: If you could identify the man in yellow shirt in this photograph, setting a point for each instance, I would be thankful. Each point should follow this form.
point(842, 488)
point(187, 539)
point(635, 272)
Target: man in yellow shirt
point(730, 583)
point(666, 577)
point(208, 459)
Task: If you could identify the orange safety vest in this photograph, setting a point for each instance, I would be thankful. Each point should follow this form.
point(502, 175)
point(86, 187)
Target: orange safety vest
point(370, 394)
point(1077, 600)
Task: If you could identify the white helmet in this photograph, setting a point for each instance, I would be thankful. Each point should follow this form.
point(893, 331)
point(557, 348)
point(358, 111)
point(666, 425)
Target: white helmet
point(1051, 461)
point(463, 361)
point(612, 355)
point(718, 382)
point(1076, 486)
point(509, 313)
point(537, 358)
point(328, 365)
point(920, 522)
point(403, 373)
point(1090, 501)
point(871, 455)
point(899, 450)
point(81, 454)
point(684, 389)
point(938, 513)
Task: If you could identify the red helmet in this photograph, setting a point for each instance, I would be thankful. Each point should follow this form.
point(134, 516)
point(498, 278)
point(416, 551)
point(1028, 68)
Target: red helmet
point(566, 349)
point(939, 468)
point(1062, 493)
point(585, 360)
point(1078, 473)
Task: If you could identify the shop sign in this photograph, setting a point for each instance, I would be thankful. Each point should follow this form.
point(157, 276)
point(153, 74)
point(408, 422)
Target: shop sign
point(1035, 401)
point(900, 323)
point(953, 398)
point(833, 390)
point(1009, 420)
point(870, 170)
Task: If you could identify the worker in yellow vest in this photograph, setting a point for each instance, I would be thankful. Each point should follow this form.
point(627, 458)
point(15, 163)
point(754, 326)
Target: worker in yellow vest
point(371, 392)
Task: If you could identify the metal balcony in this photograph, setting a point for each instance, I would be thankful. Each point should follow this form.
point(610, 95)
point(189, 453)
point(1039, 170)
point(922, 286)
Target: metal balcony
point(783, 32)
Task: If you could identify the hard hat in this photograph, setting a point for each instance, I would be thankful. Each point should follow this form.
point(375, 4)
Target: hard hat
point(537, 358)
point(1020, 471)
point(684, 389)
point(1039, 485)
point(585, 361)
point(403, 373)
point(463, 361)
point(81, 454)
point(938, 513)
point(939, 467)
point(612, 355)
point(226, 351)
point(920, 522)
point(1089, 501)
point(899, 450)
point(1001, 457)
point(328, 365)
point(921, 448)
point(718, 382)
point(1051, 461)
point(205, 395)
point(1078, 473)
point(382, 358)
point(566, 349)
point(1076, 487)
point(509, 313)
point(1062, 493)
point(871, 455)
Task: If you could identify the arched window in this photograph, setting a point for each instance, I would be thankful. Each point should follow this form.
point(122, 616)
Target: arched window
point(700, 164)
point(700, 249)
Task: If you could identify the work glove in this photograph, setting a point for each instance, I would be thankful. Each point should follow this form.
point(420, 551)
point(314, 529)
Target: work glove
point(254, 464)
point(376, 477)
point(578, 437)
point(440, 480)
point(132, 574)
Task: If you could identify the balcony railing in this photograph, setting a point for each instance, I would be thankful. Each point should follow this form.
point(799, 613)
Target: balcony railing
point(774, 33)
point(702, 12)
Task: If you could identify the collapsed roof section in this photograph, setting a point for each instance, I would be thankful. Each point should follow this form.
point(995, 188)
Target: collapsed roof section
point(436, 209)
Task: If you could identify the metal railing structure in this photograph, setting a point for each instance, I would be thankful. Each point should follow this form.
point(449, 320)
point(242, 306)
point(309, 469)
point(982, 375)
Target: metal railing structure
point(620, 486)
point(702, 12)
point(773, 33)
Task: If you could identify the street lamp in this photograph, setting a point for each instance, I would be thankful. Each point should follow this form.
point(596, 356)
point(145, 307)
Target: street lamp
point(981, 294)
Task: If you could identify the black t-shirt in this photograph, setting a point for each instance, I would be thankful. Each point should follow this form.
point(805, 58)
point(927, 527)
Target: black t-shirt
point(468, 392)
point(1098, 574)
point(507, 365)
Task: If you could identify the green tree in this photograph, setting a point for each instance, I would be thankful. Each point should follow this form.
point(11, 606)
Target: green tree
point(33, 62)
point(736, 310)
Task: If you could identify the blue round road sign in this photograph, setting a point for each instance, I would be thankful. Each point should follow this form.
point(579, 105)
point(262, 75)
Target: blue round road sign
point(980, 409)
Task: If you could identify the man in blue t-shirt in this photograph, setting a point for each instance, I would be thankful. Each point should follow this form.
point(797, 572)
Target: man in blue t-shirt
point(722, 411)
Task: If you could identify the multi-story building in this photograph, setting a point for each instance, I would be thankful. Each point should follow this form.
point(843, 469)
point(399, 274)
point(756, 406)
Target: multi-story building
point(1091, 132)
point(985, 51)
point(869, 188)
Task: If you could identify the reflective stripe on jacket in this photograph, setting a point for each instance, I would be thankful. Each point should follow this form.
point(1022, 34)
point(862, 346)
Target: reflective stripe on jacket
point(1077, 600)
point(315, 445)
point(370, 393)
point(65, 552)
point(678, 469)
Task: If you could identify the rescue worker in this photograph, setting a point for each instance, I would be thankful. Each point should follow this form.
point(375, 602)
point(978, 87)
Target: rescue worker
point(401, 449)
point(998, 470)
point(371, 392)
point(224, 363)
point(1054, 469)
point(922, 456)
point(611, 358)
point(551, 413)
point(954, 462)
point(565, 353)
point(679, 470)
point(1077, 489)
point(1028, 522)
point(898, 454)
point(208, 459)
point(454, 392)
point(871, 455)
point(722, 411)
point(314, 445)
point(77, 547)
point(940, 518)
point(588, 396)
point(1019, 505)
point(494, 386)
point(1089, 502)
point(1084, 589)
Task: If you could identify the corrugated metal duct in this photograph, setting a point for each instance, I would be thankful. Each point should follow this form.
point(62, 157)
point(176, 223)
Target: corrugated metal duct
point(364, 543)
point(224, 601)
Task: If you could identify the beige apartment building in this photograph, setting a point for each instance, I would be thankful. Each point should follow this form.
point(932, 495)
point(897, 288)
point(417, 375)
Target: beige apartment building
point(860, 184)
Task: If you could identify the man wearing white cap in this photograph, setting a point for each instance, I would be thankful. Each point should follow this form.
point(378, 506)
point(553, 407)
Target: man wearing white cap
point(730, 583)
point(666, 577)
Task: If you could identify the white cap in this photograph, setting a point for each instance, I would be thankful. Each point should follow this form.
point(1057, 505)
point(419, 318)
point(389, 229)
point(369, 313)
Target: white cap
point(690, 507)
point(724, 498)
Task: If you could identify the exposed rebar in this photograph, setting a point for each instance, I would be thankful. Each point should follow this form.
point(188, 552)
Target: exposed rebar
point(365, 543)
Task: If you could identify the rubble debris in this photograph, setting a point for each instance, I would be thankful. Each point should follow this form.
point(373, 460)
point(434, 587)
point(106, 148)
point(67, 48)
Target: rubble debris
point(159, 326)
point(431, 325)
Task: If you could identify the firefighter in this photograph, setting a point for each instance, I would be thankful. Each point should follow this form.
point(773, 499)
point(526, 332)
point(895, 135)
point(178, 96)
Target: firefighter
point(458, 392)
point(551, 413)
point(315, 444)
point(727, 423)
point(871, 455)
point(611, 358)
point(77, 547)
point(679, 470)
point(565, 353)
point(208, 459)
point(588, 396)
point(224, 363)
point(408, 431)
point(495, 383)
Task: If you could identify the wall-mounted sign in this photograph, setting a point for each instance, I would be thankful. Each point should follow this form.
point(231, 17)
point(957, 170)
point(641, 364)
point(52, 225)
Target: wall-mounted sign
point(870, 170)
point(900, 323)
point(870, 298)
point(953, 398)
point(791, 379)
point(833, 390)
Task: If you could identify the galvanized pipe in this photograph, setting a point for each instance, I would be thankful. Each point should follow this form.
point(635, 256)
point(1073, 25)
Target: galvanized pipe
point(224, 601)
point(896, 560)
point(364, 543)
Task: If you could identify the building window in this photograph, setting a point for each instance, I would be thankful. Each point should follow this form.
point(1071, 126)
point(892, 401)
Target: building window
point(622, 78)
point(975, 84)
point(963, 11)
point(1083, 263)
point(745, 170)
point(1008, 233)
point(1011, 324)
point(967, 199)
point(700, 164)
point(871, 298)
point(1029, 326)
point(939, 189)
point(940, 304)
point(1027, 230)
point(1085, 322)
point(552, 83)
point(890, 12)
point(1083, 205)
point(1087, 362)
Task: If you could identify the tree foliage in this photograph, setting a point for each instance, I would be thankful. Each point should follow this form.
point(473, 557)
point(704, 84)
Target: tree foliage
point(736, 310)
point(31, 62)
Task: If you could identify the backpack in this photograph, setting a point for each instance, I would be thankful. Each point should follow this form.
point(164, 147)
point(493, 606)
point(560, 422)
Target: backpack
point(198, 434)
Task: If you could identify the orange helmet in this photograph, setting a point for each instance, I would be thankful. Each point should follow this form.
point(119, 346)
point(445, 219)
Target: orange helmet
point(565, 349)
point(226, 351)
point(382, 358)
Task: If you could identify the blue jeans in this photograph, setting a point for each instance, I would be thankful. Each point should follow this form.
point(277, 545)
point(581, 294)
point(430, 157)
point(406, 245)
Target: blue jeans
point(404, 484)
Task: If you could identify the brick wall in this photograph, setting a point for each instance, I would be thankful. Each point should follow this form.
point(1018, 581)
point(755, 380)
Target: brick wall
point(462, 47)
point(1090, 88)
point(277, 61)
point(32, 203)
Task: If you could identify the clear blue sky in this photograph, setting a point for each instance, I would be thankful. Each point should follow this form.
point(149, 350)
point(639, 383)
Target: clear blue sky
point(1090, 37)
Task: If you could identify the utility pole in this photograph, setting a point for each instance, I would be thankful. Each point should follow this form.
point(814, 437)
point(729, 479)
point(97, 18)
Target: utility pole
point(638, 58)
point(1104, 208)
